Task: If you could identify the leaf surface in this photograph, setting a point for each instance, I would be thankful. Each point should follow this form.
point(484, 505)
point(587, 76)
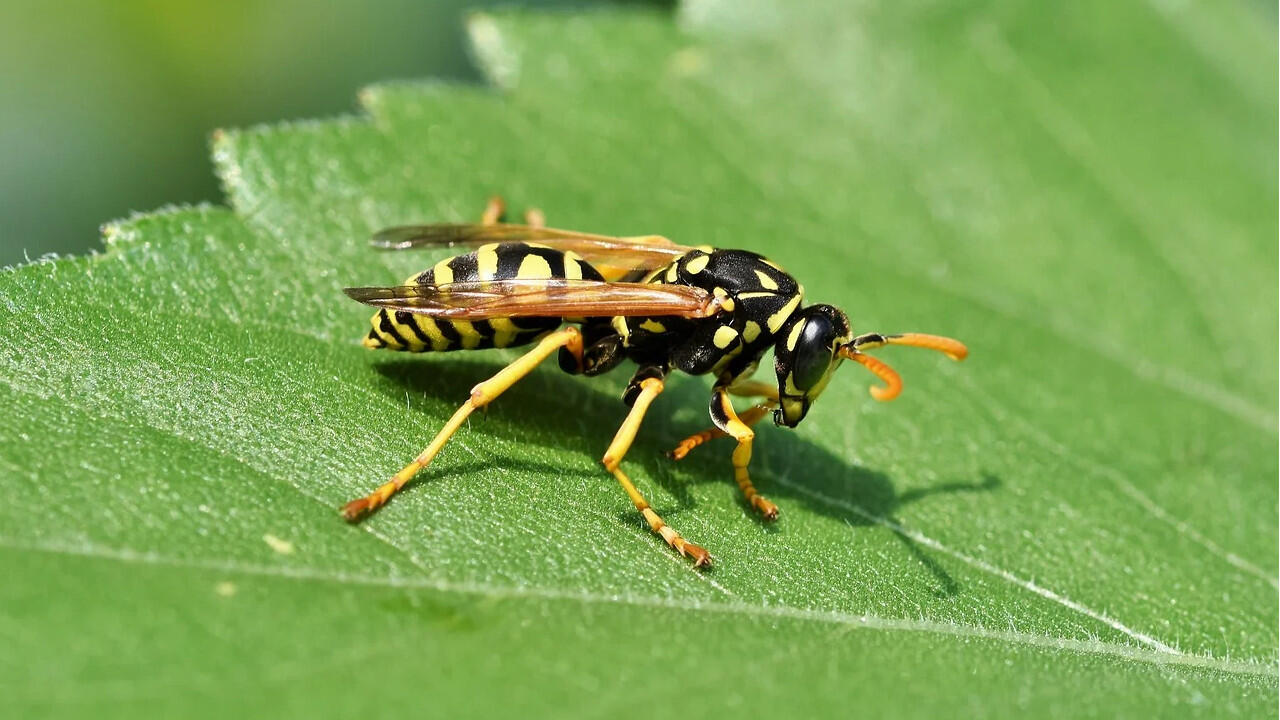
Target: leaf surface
point(1079, 520)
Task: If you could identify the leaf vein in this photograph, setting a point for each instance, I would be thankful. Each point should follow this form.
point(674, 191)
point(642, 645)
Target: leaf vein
point(1137, 653)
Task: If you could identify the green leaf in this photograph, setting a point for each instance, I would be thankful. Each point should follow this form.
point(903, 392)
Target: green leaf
point(1080, 520)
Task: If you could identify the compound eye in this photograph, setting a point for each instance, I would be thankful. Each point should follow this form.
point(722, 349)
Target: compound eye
point(814, 351)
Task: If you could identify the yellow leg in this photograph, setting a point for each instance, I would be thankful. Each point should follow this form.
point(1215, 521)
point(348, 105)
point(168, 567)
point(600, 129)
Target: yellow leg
point(493, 211)
point(497, 207)
point(746, 388)
point(749, 417)
point(481, 395)
point(734, 426)
point(754, 388)
point(650, 388)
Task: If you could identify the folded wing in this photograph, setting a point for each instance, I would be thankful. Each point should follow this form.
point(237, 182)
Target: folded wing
point(614, 257)
point(541, 298)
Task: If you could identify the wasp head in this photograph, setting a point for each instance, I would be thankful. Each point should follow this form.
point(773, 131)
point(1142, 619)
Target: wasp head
point(815, 340)
point(806, 355)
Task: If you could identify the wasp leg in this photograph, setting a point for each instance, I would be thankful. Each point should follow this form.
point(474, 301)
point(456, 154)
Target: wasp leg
point(754, 388)
point(748, 417)
point(650, 388)
point(496, 209)
point(484, 393)
point(723, 415)
point(747, 388)
point(493, 211)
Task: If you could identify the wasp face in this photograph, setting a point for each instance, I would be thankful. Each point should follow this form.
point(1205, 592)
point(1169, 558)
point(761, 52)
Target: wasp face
point(805, 357)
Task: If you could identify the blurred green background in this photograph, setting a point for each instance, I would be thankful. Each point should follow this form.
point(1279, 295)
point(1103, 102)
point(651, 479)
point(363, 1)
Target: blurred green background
point(106, 107)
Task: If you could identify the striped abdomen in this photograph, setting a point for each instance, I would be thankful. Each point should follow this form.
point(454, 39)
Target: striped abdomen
point(400, 330)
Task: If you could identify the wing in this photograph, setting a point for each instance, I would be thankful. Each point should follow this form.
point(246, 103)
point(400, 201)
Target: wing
point(614, 257)
point(541, 298)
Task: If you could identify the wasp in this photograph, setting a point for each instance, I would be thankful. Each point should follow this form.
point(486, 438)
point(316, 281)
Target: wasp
point(598, 300)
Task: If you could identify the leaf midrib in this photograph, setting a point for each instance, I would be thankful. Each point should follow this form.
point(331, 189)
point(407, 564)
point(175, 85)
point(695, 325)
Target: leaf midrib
point(1233, 668)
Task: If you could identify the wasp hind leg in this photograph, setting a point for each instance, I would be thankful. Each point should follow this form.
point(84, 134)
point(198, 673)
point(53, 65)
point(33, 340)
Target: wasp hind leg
point(496, 209)
point(568, 338)
point(649, 388)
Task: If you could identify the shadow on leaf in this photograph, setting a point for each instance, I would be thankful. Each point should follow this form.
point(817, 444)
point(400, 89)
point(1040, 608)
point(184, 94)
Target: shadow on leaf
point(585, 415)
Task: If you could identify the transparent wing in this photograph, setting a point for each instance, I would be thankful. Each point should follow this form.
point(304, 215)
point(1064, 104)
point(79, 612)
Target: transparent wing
point(614, 257)
point(541, 298)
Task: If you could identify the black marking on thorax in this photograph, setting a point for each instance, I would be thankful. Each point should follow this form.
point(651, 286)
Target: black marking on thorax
point(758, 297)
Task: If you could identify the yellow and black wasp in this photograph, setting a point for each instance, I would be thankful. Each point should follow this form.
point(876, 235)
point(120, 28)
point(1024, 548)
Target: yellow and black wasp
point(597, 300)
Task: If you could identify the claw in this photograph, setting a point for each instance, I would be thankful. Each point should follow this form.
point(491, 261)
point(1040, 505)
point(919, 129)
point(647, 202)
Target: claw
point(766, 508)
point(356, 509)
point(701, 558)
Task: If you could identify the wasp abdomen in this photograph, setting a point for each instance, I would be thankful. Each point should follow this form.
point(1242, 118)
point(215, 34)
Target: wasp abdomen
point(402, 330)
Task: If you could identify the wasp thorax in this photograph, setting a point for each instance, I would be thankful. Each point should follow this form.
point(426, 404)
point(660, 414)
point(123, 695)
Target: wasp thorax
point(805, 358)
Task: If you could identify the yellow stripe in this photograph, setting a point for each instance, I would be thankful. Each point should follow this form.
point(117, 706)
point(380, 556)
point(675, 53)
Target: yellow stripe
point(724, 337)
point(443, 273)
point(726, 302)
point(723, 363)
point(673, 273)
point(777, 319)
point(487, 262)
point(572, 266)
point(653, 326)
point(620, 326)
point(376, 322)
point(766, 282)
point(697, 264)
point(794, 337)
point(504, 331)
point(792, 407)
point(470, 336)
point(411, 338)
point(534, 267)
point(751, 331)
point(431, 330)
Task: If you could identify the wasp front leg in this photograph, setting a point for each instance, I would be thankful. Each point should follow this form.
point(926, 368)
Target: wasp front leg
point(749, 417)
point(728, 422)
